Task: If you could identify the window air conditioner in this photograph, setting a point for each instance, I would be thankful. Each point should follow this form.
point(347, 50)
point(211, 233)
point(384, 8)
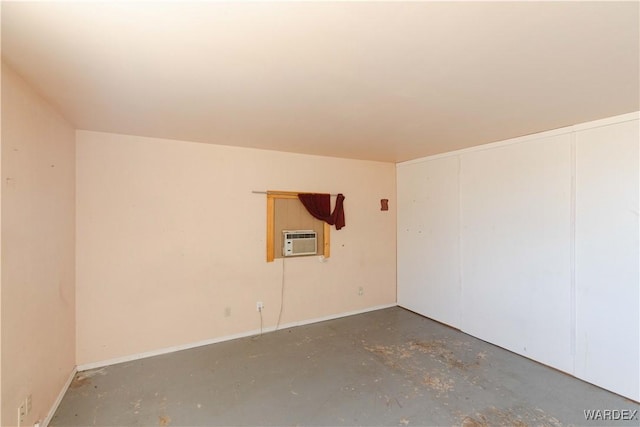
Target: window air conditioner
point(299, 242)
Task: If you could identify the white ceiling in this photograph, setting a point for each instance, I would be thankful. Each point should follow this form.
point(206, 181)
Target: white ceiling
point(387, 81)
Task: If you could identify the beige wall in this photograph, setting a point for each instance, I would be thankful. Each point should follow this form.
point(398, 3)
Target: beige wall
point(0, 253)
point(170, 236)
point(38, 192)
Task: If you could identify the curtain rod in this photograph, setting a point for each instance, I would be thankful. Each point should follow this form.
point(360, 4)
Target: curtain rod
point(265, 192)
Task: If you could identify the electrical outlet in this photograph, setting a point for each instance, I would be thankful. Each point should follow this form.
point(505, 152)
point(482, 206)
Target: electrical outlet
point(22, 412)
point(259, 305)
point(28, 404)
point(227, 312)
point(360, 291)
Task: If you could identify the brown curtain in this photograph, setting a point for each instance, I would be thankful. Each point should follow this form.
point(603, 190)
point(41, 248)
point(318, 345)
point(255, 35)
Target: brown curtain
point(319, 205)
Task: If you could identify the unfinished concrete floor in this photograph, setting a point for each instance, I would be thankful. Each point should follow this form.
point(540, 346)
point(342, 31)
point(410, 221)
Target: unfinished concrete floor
point(390, 367)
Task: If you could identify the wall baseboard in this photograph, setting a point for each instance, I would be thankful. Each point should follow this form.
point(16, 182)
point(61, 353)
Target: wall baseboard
point(56, 403)
point(132, 357)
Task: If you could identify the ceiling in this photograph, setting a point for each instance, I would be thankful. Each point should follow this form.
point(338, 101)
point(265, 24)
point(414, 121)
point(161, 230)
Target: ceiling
point(388, 81)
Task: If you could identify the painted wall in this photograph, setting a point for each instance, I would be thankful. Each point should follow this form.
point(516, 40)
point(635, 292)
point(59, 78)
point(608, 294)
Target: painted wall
point(0, 250)
point(607, 257)
point(171, 243)
point(515, 217)
point(532, 244)
point(38, 256)
point(428, 223)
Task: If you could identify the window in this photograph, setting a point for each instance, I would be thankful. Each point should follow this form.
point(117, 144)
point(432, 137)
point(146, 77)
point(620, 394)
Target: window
point(286, 212)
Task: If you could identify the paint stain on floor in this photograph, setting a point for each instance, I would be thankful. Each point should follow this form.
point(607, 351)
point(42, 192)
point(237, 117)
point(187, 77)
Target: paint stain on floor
point(79, 381)
point(408, 358)
point(84, 378)
point(447, 357)
point(438, 384)
point(439, 349)
point(515, 417)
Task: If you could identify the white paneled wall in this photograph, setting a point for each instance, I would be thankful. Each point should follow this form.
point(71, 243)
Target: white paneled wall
point(429, 227)
point(515, 221)
point(532, 244)
point(607, 257)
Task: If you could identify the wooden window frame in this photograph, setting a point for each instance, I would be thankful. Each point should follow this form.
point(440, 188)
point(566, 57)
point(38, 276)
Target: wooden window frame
point(271, 210)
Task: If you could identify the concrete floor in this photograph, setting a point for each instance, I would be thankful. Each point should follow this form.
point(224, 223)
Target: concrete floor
point(385, 368)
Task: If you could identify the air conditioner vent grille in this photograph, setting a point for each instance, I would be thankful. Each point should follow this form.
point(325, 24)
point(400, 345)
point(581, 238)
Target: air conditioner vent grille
point(300, 236)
